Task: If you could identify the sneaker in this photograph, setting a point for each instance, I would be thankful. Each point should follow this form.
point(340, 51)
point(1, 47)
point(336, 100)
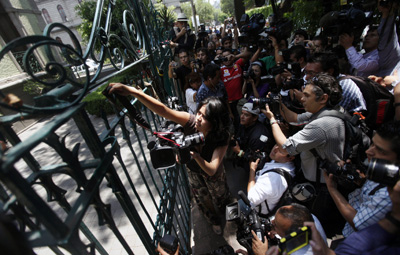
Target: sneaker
point(217, 229)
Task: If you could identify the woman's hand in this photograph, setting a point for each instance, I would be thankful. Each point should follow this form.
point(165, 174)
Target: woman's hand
point(195, 155)
point(121, 89)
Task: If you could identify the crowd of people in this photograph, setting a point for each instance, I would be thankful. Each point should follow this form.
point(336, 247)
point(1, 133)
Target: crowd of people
point(282, 110)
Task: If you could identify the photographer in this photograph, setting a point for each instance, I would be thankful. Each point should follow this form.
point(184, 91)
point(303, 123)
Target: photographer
point(229, 24)
point(379, 238)
point(202, 59)
point(388, 48)
point(363, 64)
point(206, 170)
point(352, 98)
point(265, 187)
point(300, 36)
point(182, 37)
point(289, 219)
point(253, 86)
point(371, 202)
point(232, 77)
point(276, 58)
point(180, 72)
point(252, 135)
point(324, 134)
point(318, 44)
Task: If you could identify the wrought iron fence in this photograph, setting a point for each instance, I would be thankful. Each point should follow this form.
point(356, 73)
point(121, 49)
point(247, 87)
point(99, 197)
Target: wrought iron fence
point(80, 184)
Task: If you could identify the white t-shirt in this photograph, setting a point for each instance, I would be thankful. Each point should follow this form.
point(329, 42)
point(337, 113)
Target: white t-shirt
point(269, 186)
point(191, 104)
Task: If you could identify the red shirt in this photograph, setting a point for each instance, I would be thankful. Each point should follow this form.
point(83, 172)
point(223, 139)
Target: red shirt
point(232, 77)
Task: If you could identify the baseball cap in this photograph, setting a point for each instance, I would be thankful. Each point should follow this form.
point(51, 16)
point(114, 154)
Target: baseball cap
point(248, 107)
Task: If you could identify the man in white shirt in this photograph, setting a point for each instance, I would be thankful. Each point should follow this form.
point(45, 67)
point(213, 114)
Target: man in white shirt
point(266, 187)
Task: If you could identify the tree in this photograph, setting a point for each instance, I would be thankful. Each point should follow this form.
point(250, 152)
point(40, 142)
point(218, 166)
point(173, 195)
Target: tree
point(87, 10)
point(204, 10)
point(228, 7)
point(166, 14)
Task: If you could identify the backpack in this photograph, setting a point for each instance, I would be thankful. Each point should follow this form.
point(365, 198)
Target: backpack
point(378, 99)
point(356, 142)
point(286, 198)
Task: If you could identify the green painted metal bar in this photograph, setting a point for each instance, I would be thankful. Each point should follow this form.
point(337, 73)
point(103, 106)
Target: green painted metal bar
point(145, 55)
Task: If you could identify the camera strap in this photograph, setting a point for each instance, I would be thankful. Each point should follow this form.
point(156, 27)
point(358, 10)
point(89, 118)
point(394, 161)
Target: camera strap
point(281, 201)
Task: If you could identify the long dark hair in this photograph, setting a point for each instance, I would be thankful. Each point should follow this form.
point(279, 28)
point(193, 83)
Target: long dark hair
point(217, 113)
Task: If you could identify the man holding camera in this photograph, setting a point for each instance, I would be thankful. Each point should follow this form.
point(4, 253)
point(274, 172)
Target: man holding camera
point(363, 64)
point(322, 134)
point(232, 77)
point(266, 186)
point(252, 135)
point(370, 203)
point(180, 72)
point(181, 36)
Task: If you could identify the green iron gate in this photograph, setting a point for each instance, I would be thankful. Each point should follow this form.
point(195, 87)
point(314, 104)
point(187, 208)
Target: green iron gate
point(77, 184)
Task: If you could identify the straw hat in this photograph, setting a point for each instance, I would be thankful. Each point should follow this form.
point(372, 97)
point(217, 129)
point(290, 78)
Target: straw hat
point(182, 17)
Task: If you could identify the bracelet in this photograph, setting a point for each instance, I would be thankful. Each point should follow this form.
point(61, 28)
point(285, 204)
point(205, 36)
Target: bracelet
point(273, 121)
point(240, 154)
point(396, 104)
point(392, 220)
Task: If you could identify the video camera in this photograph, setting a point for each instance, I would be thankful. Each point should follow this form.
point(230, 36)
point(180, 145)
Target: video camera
point(250, 32)
point(383, 171)
point(348, 21)
point(247, 219)
point(172, 142)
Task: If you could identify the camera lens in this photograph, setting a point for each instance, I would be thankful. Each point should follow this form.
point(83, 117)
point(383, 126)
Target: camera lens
point(260, 102)
point(197, 138)
point(234, 213)
point(382, 171)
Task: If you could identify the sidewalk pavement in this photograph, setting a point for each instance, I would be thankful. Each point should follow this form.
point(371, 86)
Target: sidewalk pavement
point(204, 240)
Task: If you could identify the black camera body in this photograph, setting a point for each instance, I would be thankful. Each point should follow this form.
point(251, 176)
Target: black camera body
point(219, 60)
point(251, 29)
point(252, 156)
point(171, 143)
point(169, 243)
point(296, 80)
point(261, 102)
point(247, 219)
point(383, 171)
point(249, 74)
point(346, 175)
point(350, 21)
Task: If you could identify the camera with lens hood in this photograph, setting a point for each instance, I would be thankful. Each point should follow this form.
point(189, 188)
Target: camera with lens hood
point(247, 219)
point(383, 171)
point(172, 143)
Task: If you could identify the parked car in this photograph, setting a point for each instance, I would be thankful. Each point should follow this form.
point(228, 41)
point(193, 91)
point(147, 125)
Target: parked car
point(91, 65)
